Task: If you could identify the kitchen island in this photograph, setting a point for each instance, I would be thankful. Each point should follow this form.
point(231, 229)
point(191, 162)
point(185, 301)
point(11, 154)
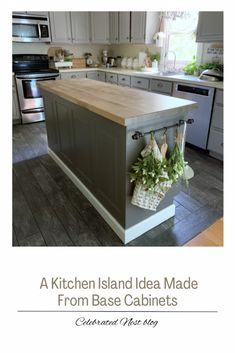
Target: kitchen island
point(90, 125)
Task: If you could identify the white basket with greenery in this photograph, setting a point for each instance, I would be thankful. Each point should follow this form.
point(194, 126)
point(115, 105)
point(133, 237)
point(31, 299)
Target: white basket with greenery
point(154, 175)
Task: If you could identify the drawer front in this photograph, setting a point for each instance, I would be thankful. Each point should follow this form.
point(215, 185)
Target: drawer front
point(68, 75)
point(161, 86)
point(124, 80)
point(111, 78)
point(215, 142)
point(139, 82)
point(101, 76)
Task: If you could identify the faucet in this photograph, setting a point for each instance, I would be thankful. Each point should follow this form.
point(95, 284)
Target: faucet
point(165, 61)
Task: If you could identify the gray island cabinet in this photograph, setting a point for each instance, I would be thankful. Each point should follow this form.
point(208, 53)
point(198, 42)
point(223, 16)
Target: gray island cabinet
point(90, 125)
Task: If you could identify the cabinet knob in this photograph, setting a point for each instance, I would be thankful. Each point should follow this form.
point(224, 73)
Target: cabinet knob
point(159, 85)
point(111, 76)
point(123, 79)
point(73, 76)
point(139, 82)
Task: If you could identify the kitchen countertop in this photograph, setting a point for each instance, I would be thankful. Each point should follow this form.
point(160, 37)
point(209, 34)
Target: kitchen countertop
point(173, 78)
point(116, 103)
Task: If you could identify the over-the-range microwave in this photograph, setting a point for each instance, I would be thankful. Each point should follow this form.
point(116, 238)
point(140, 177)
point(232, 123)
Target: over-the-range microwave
point(30, 28)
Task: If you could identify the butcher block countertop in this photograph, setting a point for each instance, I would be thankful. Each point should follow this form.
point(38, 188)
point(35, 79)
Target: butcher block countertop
point(119, 104)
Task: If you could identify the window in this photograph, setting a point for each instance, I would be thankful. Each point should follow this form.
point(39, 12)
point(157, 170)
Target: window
point(180, 30)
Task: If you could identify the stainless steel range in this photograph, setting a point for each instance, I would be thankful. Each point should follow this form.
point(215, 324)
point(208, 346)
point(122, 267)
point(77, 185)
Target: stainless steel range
point(29, 69)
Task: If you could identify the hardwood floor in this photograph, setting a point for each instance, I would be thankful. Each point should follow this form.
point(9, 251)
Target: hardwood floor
point(48, 210)
point(212, 236)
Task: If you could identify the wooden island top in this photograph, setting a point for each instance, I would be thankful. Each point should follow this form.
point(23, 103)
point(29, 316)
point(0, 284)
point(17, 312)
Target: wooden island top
point(120, 104)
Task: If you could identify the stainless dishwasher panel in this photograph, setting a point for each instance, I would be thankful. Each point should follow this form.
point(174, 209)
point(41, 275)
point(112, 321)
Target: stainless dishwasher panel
point(197, 133)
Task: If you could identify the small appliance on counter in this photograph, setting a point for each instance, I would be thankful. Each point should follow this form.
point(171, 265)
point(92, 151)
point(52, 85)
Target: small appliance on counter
point(89, 59)
point(112, 61)
point(212, 75)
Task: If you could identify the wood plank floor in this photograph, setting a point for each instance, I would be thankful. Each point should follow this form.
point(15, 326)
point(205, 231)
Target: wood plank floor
point(212, 236)
point(48, 210)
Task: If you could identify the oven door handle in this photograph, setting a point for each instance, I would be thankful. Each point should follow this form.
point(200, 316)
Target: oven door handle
point(39, 32)
point(36, 77)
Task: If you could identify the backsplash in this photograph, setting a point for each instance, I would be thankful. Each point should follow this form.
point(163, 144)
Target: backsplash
point(77, 50)
point(132, 50)
point(208, 51)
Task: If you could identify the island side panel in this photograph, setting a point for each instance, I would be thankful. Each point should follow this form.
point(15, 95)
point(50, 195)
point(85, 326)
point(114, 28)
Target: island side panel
point(134, 214)
point(92, 147)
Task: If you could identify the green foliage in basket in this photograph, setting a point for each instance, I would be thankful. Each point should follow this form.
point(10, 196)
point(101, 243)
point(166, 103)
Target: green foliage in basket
point(149, 172)
point(175, 164)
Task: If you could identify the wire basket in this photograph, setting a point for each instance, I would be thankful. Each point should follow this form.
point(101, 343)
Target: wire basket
point(147, 199)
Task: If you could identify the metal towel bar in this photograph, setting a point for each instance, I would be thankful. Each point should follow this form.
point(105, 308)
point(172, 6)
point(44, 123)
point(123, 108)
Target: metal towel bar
point(139, 134)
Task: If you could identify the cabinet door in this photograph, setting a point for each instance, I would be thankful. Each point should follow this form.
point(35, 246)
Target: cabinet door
point(111, 78)
point(71, 75)
point(162, 87)
point(210, 27)
point(217, 115)
point(124, 27)
point(138, 23)
point(100, 27)
point(113, 17)
point(80, 22)
point(139, 82)
point(60, 27)
point(93, 75)
point(215, 142)
point(124, 80)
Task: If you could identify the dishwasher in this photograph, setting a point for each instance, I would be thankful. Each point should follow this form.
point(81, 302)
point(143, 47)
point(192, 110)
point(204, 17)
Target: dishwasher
point(197, 133)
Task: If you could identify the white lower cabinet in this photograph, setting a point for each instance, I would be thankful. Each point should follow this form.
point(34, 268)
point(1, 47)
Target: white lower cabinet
point(111, 78)
point(140, 82)
point(96, 75)
point(124, 80)
point(162, 87)
point(215, 141)
point(68, 75)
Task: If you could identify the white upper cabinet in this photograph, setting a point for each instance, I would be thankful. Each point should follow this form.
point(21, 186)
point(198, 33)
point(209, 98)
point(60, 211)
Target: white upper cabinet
point(124, 27)
point(210, 27)
point(138, 27)
point(100, 27)
point(113, 22)
point(80, 22)
point(138, 21)
point(70, 27)
point(61, 31)
point(143, 26)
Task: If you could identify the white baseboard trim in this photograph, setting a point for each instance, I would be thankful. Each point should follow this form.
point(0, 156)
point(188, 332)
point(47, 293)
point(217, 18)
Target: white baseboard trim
point(126, 235)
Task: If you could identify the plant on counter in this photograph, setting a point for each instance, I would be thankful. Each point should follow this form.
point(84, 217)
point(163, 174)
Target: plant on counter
point(195, 68)
point(156, 57)
point(191, 68)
